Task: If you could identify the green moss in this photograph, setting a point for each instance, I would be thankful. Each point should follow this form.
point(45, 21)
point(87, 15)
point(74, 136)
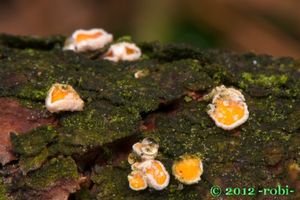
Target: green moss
point(116, 102)
point(165, 82)
point(125, 38)
point(57, 169)
point(293, 119)
point(111, 183)
point(28, 92)
point(31, 104)
point(186, 131)
point(263, 80)
point(3, 191)
point(32, 163)
point(34, 142)
point(100, 123)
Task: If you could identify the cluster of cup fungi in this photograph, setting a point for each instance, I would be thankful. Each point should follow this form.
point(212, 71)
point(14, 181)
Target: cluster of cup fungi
point(227, 109)
point(149, 172)
point(146, 171)
point(63, 97)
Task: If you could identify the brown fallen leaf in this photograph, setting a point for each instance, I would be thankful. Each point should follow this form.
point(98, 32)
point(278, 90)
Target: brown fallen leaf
point(61, 190)
point(16, 118)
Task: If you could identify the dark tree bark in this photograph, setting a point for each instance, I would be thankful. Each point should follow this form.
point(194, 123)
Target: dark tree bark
point(49, 156)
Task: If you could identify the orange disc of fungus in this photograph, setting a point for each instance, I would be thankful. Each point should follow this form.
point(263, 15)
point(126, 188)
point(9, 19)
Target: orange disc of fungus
point(130, 51)
point(123, 51)
point(87, 40)
point(62, 97)
point(146, 170)
point(87, 36)
point(156, 174)
point(228, 108)
point(137, 181)
point(58, 93)
point(188, 169)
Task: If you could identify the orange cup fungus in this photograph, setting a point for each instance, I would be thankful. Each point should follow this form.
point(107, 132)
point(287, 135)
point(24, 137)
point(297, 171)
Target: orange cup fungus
point(146, 150)
point(155, 173)
point(123, 51)
point(137, 181)
point(62, 97)
point(87, 40)
point(147, 171)
point(228, 108)
point(188, 169)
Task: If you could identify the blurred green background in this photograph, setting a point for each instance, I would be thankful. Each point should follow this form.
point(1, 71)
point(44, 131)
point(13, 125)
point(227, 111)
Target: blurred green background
point(261, 26)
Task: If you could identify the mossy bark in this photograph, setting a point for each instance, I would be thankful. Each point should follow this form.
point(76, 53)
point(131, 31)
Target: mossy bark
point(166, 104)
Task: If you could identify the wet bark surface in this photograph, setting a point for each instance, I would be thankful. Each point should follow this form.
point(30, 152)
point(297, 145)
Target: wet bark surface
point(83, 155)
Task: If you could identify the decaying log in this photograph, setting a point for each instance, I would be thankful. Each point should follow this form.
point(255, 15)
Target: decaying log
point(83, 155)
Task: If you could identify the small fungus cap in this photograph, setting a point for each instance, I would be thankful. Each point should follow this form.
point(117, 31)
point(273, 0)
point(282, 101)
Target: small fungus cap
point(87, 40)
point(147, 149)
point(156, 174)
point(62, 97)
point(137, 181)
point(228, 108)
point(141, 73)
point(123, 51)
point(188, 169)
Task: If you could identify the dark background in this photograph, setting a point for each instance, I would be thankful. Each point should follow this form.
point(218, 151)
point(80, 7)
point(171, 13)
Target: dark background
point(262, 26)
